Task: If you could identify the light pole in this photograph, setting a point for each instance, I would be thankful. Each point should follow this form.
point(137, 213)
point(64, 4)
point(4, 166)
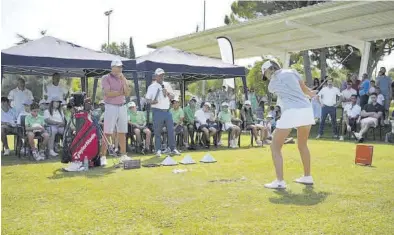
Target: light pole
point(108, 13)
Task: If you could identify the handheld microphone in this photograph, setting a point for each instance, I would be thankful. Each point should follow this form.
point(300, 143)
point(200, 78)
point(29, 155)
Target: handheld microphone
point(162, 86)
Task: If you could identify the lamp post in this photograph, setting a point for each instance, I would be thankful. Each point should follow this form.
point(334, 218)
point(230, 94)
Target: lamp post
point(108, 13)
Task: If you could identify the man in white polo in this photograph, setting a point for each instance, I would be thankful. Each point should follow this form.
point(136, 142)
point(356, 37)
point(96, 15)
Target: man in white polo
point(19, 95)
point(115, 90)
point(55, 89)
point(159, 95)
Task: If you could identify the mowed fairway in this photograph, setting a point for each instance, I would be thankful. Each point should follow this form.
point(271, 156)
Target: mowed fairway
point(226, 197)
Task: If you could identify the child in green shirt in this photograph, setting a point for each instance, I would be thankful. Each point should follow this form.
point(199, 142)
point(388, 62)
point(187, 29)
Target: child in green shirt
point(138, 125)
point(34, 126)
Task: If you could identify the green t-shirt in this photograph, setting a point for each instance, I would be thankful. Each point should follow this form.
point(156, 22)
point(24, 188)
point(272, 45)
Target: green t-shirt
point(224, 117)
point(30, 120)
point(177, 115)
point(189, 114)
point(137, 118)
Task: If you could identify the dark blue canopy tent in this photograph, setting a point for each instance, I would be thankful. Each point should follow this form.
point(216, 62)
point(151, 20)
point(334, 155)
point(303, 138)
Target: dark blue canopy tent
point(186, 67)
point(48, 55)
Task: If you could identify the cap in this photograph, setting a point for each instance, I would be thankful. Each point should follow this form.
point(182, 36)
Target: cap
point(175, 99)
point(117, 63)
point(194, 98)
point(131, 104)
point(27, 102)
point(102, 102)
point(224, 104)
point(248, 102)
point(207, 104)
point(159, 71)
point(265, 66)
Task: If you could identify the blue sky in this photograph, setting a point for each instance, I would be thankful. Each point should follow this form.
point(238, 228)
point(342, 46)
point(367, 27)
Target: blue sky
point(83, 21)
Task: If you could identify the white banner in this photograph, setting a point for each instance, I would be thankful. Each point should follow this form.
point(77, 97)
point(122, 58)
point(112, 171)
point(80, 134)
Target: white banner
point(227, 54)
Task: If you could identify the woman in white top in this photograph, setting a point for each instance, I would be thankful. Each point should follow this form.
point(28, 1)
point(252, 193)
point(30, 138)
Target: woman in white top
point(297, 113)
point(54, 117)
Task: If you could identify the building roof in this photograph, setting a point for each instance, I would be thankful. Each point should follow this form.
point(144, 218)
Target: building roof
point(321, 25)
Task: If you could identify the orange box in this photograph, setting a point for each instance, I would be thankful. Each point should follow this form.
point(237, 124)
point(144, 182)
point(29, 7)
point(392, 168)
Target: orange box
point(364, 154)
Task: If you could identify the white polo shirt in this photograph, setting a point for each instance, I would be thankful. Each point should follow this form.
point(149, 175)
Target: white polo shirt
point(352, 110)
point(201, 117)
point(57, 117)
point(18, 97)
point(328, 96)
point(346, 94)
point(155, 89)
point(55, 91)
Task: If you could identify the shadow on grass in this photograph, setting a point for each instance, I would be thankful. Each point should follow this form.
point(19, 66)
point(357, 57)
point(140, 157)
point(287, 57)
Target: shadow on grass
point(14, 160)
point(308, 198)
point(92, 173)
point(152, 160)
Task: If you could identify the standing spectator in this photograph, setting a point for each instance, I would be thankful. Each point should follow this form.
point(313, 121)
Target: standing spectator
point(178, 116)
point(19, 95)
point(231, 100)
point(253, 99)
point(372, 87)
point(8, 123)
point(370, 116)
point(159, 95)
point(34, 125)
point(328, 100)
point(260, 111)
point(364, 88)
point(55, 119)
point(222, 97)
point(25, 112)
point(315, 103)
point(190, 111)
point(211, 96)
point(384, 83)
point(115, 90)
point(348, 93)
point(356, 83)
point(55, 89)
point(316, 84)
point(250, 123)
point(351, 113)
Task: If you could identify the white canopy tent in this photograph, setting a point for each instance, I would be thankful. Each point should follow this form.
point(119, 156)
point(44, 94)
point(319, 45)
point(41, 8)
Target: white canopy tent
point(321, 25)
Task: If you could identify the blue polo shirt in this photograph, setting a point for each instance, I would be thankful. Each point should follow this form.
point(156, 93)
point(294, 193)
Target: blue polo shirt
point(364, 87)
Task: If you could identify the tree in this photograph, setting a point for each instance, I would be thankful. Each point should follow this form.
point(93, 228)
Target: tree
point(131, 49)
point(121, 49)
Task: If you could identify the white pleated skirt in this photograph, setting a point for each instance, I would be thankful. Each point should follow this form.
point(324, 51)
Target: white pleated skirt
point(292, 118)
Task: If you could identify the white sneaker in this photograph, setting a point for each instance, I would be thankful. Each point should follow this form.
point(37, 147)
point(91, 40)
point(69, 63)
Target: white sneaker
point(341, 138)
point(158, 153)
point(53, 153)
point(349, 129)
point(36, 155)
point(42, 155)
point(318, 136)
point(6, 152)
point(74, 167)
point(308, 180)
point(276, 184)
point(103, 161)
point(175, 152)
point(186, 145)
point(259, 143)
point(357, 135)
point(167, 150)
point(125, 158)
point(266, 142)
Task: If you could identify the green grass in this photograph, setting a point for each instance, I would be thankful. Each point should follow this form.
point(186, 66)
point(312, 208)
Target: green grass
point(226, 197)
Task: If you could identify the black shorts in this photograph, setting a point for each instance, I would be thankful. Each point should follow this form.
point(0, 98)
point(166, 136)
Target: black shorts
point(202, 126)
point(10, 130)
point(37, 134)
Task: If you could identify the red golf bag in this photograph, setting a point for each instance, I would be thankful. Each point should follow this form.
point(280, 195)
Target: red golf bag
point(81, 139)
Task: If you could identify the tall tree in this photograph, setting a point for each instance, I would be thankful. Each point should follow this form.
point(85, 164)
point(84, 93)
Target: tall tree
point(131, 49)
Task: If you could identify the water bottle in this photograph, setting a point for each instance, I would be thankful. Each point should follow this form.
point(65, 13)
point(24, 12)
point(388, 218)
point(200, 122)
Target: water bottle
point(86, 163)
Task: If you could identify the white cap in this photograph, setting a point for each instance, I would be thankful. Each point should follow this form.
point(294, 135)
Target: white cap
point(117, 63)
point(102, 102)
point(207, 104)
point(224, 104)
point(159, 71)
point(43, 101)
point(248, 102)
point(131, 104)
point(175, 99)
point(265, 66)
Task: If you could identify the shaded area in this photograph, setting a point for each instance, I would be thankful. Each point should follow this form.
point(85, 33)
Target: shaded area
point(308, 197)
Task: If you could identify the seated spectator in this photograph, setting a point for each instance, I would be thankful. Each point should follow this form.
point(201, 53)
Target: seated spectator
point(55, 89)
point(346, 95)
point(204, 117)
point(260, 111)
point(226, 119)
point(250, 123)
point(372, 88)
point(25, 112)
point(178, 117)
point(351, 114)
point(55, 120)
point(19, 95)
point(138, 126)
point(34, 126)
point(380, 98)
point(189, 112)
point(390, 135)
point(272, 112)
point(370, 116)
point(99, 112)
point(8, 123)
point(44, 105)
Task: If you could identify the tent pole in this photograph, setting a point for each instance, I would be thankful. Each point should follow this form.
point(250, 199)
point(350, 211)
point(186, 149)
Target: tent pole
point(183, 92)
point(245, 88)
point(87, 85)
point(137, 89)
point(83, 84)
point(95, 83)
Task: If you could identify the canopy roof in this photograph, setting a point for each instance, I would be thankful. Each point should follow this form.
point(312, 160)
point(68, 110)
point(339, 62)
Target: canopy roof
point(48, 55)
point(181, 65)
point(321, 25)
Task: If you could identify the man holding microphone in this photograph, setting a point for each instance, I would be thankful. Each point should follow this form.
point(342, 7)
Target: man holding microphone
point(115, 90)
point(159, 96)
